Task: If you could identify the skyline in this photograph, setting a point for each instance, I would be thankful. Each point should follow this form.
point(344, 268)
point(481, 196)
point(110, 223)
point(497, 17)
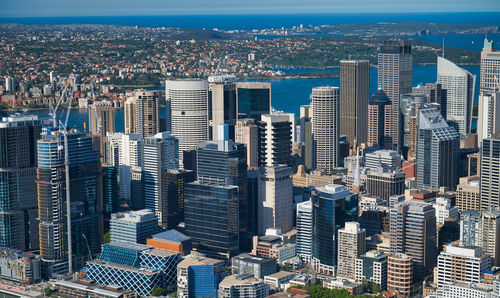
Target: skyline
point(61, 8)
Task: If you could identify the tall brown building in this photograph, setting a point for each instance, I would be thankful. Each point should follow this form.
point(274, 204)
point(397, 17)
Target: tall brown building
point(147, 123)
point(130, 115)
point(395, 75)
point(246, 132)
point(380, 120)
point(399, 275)
point(490, 66)
point(354, 95)
point(101, 121)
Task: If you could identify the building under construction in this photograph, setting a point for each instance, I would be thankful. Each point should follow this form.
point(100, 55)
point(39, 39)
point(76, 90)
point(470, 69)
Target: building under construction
point(85, 183)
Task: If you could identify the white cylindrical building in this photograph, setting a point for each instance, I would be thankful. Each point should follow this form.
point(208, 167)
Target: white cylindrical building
point(189, 113)
point(325, 103)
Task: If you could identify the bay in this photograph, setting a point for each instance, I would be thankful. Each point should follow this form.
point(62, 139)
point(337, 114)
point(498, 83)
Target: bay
point(286, 94)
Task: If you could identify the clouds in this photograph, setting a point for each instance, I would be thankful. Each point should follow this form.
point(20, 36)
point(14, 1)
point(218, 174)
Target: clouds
point(46, 8)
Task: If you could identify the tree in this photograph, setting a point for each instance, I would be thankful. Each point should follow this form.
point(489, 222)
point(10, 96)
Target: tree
point(158, 291)
point(47, 291)
point(376, 288)
point(366, 286)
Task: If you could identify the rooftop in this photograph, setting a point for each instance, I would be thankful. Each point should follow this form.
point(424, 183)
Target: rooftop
point(252, 259)
point(239, 279)
point(281, 274)
point(192, 260)
point(172, 236)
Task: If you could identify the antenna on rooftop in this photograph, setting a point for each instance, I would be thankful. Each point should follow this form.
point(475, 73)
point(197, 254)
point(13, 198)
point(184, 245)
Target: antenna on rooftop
point(442, 53)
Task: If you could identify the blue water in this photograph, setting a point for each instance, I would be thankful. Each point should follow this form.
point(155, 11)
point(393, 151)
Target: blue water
point(472, 42)
point(261, 21)
point(289, 94)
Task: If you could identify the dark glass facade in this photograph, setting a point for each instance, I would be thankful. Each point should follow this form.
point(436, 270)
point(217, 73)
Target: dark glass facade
point(110, 193)
point(253, 102)
point(172, 201)
point(211, 218)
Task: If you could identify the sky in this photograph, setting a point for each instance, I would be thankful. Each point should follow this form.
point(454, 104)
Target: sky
point(55, 8)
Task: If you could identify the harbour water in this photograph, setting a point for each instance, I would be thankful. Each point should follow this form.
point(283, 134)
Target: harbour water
point(287, 94)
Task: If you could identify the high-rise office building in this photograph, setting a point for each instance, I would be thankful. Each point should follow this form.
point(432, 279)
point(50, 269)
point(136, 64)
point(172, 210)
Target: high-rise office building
point(110, 193)
point(489, 234)
point(275, 140)
point(380, 120)
point(395, 76)
point(490, 66)
point(413, 232)
point(172, 200)
point(123, 151)
point(400, 275)
point(467, 196)
point(159, 154)
point(469, 228)
point(246, 132)
point(306, 136)
point(385, 184)
point(101, 121)
point(223, 162)
point(212, 218)
point(18, 197)
point(490, 171)
point(86, 198)
point(434, 93)
point(461, 264)
point(459, 84)
point(133, 226)
point(304, 230)
point(444, 210)
point(253, 99)
point(148, 123)
point(325, 102)
point(354, 95)
point(198, 276)
point(221, 104)
point(386, 159)
point(410, 104)
point(101, 118)
point(189, 111)
point(328, 214)
point(276, 199)
point(488, 120)
point(130, 115)
point(372, 266)
point(351, 245)
point(437, 151)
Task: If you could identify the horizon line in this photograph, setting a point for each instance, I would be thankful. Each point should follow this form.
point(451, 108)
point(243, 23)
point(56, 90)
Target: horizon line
point(251, 14)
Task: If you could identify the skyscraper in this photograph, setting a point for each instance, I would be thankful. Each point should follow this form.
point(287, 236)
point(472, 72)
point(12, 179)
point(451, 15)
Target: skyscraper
point(101, 121)
point(488, 120)
point(490, 66)
point(159, 154)
point(223, 163)
point(413, 232)
point(199, 277)
point(395, 76)
point(325, 103)
point(172, 200)
point(212, 218)
point(354, 95)
point(246, 132)
point(18, 198)
point(306, 136)
point(101, 118)
point(434, 93)
point(490, 170)
point(351, 242)
point(437, 151)
point(328, 214)
point(410, 104)
point(305, 230)
point(86, 198)
point(253, 99)
point(275, 199)
point(148, 123)
point(189, 112)
point(489, 234)
point(372, 266)
point(221, 104)
point(459, 85)
point(275, 140)
point(130, 115)
point(10, 84)
point(380, 120)
point(400, 275)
